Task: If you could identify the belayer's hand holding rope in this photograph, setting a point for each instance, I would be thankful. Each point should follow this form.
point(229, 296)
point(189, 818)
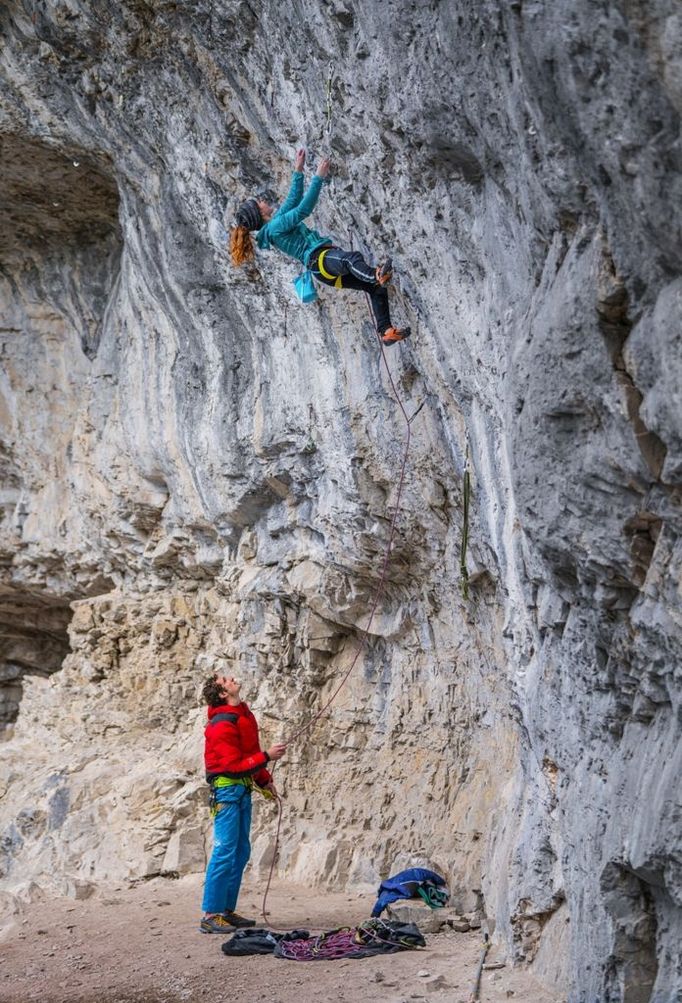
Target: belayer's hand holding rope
point(269, 790)
point(282, 228)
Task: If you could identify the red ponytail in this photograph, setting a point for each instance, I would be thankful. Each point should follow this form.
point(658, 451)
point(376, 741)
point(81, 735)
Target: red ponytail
point(241, 246)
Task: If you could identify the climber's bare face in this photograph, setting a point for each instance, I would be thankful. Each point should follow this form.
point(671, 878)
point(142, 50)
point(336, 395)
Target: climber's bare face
point(230, 686)
point(266, 210)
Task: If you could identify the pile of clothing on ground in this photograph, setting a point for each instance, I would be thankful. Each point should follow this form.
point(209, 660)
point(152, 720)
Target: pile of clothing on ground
point(376, 936)
point(416, 882)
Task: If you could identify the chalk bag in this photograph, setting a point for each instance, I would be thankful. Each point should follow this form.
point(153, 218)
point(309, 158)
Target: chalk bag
point(304, 284)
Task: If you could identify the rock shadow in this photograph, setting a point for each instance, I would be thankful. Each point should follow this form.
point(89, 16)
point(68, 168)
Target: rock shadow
point(60, 234)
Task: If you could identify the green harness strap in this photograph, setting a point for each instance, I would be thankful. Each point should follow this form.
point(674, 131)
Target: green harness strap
point(228, 782)
point(247, 782)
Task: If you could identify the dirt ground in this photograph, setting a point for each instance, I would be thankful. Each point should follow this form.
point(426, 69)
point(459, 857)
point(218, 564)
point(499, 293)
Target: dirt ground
point(142, 945)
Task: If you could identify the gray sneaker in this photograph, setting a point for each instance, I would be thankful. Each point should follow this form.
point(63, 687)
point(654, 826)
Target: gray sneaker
point(216, 924)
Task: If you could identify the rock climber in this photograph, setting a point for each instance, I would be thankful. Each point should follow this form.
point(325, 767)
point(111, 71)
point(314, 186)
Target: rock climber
point(235, 765)
point(284, 229)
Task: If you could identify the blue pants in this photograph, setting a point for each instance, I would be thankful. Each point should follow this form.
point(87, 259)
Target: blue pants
point(231, 849)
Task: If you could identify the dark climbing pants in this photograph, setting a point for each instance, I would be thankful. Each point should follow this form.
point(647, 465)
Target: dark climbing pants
point(355, 273)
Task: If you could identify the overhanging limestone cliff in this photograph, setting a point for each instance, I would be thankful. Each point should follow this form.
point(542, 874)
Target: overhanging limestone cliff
point(205, 467)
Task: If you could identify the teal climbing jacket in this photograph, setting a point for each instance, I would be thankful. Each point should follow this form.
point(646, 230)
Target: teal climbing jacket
point(286, 230)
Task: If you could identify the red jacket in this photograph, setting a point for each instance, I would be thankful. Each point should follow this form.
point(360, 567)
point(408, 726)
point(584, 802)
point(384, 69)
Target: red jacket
point(232, 748)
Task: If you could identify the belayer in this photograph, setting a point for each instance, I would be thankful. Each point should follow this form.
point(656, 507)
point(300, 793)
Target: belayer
point(284, 229)
point(235, 766)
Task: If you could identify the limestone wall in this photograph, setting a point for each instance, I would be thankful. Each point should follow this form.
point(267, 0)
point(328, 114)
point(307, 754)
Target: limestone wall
point(194, 465)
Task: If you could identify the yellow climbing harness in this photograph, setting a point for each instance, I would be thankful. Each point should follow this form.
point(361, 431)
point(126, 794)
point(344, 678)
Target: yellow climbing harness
point(247, 782)
point(325, 274)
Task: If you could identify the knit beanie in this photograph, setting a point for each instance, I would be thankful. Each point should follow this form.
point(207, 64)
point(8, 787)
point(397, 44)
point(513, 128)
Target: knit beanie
point(248, 215)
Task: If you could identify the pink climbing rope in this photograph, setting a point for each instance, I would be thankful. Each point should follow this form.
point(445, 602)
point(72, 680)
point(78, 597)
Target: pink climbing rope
point(326, 947)
point(365, 630)
point(370, 938)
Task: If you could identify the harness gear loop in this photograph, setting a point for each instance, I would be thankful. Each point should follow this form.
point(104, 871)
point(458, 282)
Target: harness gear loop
point(338, 284)
point(327, 131)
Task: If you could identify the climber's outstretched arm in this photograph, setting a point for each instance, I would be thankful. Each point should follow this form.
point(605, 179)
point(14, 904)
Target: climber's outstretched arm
point(285, 221)
point(295, 193)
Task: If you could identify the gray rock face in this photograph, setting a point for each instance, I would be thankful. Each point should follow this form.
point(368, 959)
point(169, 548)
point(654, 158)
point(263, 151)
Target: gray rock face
point(203, 467)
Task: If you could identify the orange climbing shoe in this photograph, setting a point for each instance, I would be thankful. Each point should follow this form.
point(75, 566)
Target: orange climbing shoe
point(393, 334)
point(384, 272)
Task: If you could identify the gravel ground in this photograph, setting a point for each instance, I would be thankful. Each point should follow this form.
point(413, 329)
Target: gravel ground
point(142, 945)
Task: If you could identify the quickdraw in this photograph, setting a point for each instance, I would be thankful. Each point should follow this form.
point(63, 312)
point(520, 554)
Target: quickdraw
point(330, 104)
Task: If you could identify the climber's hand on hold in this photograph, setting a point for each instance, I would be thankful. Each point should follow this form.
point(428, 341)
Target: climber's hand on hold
point(299, 162)
point(276, 751)
point(323, 167)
